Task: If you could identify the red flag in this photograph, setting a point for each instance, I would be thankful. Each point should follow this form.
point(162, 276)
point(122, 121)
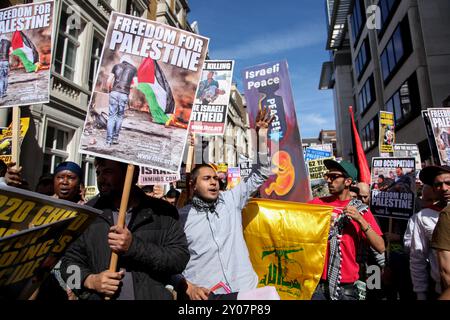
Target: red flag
point(146, 71)
point(16, 41)
point(363, 167)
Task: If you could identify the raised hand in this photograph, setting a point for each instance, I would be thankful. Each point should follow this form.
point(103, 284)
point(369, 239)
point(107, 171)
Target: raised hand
point(263, 119)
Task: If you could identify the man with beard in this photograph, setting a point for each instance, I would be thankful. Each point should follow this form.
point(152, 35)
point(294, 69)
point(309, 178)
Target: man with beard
point(349, 226)
point(213, 227)
point(151, 247)
point(423, 259)
point(440, 179)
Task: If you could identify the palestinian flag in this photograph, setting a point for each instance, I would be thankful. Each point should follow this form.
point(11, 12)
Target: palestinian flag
point(26, 51)
point(152, 83)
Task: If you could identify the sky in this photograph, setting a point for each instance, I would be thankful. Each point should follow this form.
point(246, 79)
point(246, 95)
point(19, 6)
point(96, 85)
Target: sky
point(252, 32)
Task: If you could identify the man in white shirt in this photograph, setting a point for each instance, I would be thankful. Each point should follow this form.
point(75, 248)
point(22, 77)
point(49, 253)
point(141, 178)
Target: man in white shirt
point(427, 199)
point(421, 252)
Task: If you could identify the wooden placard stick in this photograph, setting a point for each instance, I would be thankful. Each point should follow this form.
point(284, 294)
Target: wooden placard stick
point(122, 213)
point(15, 146)
point(190, 164)
point(191, 154)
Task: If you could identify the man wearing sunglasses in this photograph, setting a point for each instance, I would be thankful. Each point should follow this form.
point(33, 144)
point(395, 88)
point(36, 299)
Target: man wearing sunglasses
point(439, 178)
point(348, 227)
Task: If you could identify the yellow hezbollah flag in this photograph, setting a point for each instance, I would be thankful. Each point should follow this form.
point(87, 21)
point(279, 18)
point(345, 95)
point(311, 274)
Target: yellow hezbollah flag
point(287, 242)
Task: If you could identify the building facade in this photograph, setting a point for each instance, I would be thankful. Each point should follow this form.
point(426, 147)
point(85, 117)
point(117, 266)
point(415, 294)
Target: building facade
point(391, 55)
point(325, 137)
point(80, 28)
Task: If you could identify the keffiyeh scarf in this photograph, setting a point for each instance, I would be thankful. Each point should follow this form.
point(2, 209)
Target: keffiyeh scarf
point(203, 206)
point(335, 259)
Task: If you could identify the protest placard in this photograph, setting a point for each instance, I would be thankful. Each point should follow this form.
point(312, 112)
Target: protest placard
point(150, 176)
point(324, 146)
point(317, 169)
point(404, 150)
point(154, 69)
point(26, 37)
point(268, 85)
point(245, 166)
point(440, 126)
point(233, 177)
point(387, 132)
point(21, 212)
point(393, 187)
point(430, 136)
point(209, 113)
point(182, 182)
point(90, 192)
point(25, 258)
point(6, 136)
point(313, 154)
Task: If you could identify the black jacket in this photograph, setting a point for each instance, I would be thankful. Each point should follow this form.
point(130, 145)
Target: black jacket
point(158, 249)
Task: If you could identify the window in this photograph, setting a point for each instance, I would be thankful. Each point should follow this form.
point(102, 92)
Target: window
point(367, 95)
point(67, 45)
point(357, 19)
point(56, 141)
point(96, 52)
point(178, 8)
point(89, 178)
point(387, 9)
point(362, 59)
point(396, 51)
point(405, 103)
point(134, 9)
point(370, 133)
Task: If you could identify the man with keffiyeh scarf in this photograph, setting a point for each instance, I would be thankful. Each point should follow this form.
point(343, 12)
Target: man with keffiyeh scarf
point(213, 227)
point(352, 222)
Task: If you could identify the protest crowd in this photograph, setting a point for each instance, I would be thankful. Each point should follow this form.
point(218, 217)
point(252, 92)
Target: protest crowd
point(299, 224)
point(169, 250)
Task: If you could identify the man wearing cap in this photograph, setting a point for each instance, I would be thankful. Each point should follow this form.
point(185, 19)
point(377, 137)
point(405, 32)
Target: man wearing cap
point(439, 178)
point(422, 256)
point(348, 226)
point(66, 180)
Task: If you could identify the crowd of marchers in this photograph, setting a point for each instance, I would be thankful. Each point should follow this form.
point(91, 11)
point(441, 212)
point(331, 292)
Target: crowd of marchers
point(198, 251)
